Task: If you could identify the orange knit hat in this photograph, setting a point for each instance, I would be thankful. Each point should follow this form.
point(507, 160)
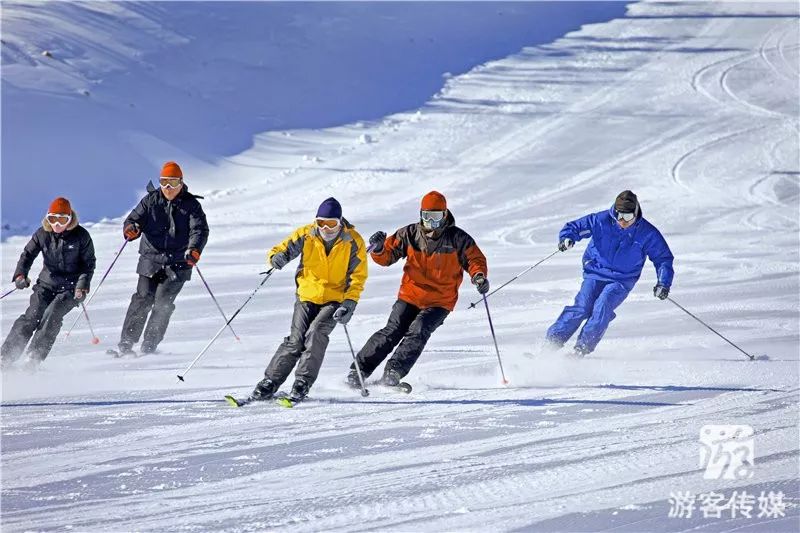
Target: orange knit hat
point(433, 201)
point(60, 206)
point(171, 170)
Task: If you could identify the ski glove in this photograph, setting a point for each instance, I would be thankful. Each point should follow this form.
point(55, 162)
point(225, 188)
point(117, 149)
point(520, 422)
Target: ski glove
point(481, 283)
point(22, 282)
point(279, 261)
point(345, 312)
point(376, 241)
point(80, 294)
point(191, 257)
point(661, 292)
point(132, 232)
point(566, 244)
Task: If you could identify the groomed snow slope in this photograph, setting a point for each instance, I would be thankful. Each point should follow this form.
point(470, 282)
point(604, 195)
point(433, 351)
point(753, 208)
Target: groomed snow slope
point(694, 106)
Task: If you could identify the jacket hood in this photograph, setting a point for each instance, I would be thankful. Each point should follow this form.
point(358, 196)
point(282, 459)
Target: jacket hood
point(72, 223)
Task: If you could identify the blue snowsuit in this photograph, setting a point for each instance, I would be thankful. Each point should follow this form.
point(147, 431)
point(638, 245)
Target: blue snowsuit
point(612, 264)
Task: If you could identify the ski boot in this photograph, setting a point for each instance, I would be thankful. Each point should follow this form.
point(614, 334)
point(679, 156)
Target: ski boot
point(298, 394)
point(265, 390)
point(580, 351)
point(122, 351)
point(391, 377)
point(352, 380)
point(147, 349)
point(299, 391)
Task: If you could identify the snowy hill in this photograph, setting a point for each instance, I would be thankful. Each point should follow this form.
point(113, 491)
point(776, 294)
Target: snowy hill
point(126, 85)
point(694, 106)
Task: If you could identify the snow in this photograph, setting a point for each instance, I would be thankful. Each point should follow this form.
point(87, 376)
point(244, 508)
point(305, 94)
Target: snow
point(137, 83)
point(694, 106)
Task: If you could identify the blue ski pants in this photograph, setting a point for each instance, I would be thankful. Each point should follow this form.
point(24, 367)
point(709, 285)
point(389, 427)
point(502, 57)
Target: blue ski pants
point(595, 303)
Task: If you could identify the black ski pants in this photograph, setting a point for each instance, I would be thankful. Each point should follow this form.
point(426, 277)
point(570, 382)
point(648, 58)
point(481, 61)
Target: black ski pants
point(42, 321)
point(305, 346)
point(156, 294)
point(409, 326)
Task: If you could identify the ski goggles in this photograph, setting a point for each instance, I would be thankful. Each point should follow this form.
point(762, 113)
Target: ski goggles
point(328, 223)
point(58, 218)
point(432, 216)
point(627, 217)
point(170, 183)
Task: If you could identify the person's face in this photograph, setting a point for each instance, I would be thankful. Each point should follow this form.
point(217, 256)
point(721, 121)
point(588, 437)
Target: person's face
point(170, 187)
point(329, 228)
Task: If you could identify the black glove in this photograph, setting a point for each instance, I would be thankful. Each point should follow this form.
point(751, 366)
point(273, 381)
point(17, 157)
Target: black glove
point(661, 292)
point(566, 244)
point(131, 232)
point(377, 240)
point(22, 282)
point(345, 312)
point(481, 283)
point(279, 261)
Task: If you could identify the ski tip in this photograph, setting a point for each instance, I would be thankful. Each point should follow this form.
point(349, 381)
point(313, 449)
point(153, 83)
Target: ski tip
point(285, 402)
point(180, 378)
point(232, 401)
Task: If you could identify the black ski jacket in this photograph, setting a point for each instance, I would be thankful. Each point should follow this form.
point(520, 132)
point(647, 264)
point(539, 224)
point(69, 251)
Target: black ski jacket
point(169, 228)
point(68, 257)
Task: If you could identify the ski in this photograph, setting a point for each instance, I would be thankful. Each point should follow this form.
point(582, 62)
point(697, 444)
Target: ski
point(280, 399)
point(237, 402)
point(116, 354)
point(401, 387)
point(284, 401)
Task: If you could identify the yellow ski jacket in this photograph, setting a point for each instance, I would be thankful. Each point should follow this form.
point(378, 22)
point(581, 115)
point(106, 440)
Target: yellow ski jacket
point(326, 277)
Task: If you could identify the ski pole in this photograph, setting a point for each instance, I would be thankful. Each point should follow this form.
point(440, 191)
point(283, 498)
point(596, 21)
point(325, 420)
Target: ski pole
point(263, 281)
point(494, 338)
point(124, 244)
point(216, 302)
point(473, 304)
point(7, 293)
point(751, 357)
point(364, 391)
point(95, 338)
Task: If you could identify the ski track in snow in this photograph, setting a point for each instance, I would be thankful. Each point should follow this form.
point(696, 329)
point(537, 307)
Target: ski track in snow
point(694, 106)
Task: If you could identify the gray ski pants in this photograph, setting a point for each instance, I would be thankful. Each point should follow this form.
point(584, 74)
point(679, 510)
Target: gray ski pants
point(306, 344)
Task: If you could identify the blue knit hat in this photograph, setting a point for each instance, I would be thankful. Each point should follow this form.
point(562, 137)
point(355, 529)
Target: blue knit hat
point(330, 208)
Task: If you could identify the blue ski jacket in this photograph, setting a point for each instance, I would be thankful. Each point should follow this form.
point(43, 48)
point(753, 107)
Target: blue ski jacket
point(616, 254)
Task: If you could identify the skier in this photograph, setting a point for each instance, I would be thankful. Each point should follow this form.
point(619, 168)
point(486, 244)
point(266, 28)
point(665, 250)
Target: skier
point(175, 232)
point(437, 253)
point(330, 278)
point(621, 239)
point(68, 255)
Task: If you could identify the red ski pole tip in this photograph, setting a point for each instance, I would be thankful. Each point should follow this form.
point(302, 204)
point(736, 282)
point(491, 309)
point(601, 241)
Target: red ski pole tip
point(95, 341)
